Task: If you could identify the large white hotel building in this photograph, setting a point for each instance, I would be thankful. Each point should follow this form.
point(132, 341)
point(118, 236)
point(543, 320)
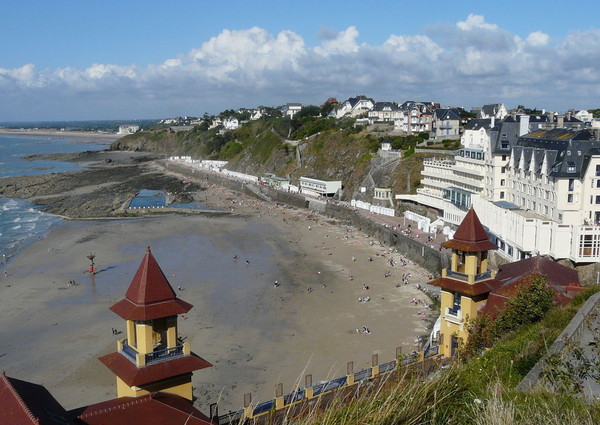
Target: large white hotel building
point(536, 188)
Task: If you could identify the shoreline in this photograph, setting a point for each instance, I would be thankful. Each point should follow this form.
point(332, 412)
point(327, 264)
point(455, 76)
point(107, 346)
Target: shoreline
point(293, 328)
point(57, 133)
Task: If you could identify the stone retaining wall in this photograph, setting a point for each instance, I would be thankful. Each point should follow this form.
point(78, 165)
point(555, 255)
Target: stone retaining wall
point(572, 332)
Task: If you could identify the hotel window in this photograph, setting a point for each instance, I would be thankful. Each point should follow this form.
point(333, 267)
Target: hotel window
point(502, 195)
point(502, 182)
point(503, 157)
point(598, 183)
point(546, 209)
point(571, 185)
point(598, 170)
point(570, 198)
point(598, 199)
point(503, 170)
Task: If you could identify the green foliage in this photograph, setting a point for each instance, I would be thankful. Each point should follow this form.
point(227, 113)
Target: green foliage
point(531, 302)
point(308, 111)
point(318, 145)
point(312, 125)
point(409, 152)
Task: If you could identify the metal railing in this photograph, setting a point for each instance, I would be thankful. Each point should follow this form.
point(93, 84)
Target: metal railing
point(128, 351)
point(457, 275)
point(154, 356)
point(320, 389)
point(164, 354)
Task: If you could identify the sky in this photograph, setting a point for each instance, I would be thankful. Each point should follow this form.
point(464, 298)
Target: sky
point(141, 59)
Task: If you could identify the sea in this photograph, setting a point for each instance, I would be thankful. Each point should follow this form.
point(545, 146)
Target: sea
point(21, 222)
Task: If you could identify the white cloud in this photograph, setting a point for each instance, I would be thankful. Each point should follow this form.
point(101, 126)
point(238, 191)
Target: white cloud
point(475, 22)
point(469, 63)
point(538, 38)
point(343, 43)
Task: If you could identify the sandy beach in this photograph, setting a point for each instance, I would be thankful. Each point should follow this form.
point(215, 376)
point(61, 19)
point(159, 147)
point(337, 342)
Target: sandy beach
point(57, 133)
point(255, 334)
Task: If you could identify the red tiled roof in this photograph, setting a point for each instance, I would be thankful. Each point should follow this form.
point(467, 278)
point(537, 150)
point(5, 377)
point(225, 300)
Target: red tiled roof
point(558, 275)
point(151, 409)
point(478, 288)
point(24, 403)
point(132, 375)
point(470, 236)
point(150, 296)
point(562, 280)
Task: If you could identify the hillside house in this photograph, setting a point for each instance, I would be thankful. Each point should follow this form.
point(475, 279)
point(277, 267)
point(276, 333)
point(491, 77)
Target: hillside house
point(446, 124)
point(384, 112)
point(291, 109)
point(353, 107)
point(496, 110)
point(231, 123)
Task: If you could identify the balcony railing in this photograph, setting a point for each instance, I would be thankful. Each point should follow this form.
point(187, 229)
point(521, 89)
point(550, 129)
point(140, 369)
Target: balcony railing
point(128, 351)
point(153, 357)
point(164, 354)
point(465, 277)
point(483, 276)
point(457, 275)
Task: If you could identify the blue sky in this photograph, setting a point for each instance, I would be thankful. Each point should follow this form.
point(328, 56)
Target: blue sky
point(124, 59)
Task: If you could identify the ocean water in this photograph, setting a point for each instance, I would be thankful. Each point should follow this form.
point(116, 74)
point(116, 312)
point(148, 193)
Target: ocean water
point(21, 222)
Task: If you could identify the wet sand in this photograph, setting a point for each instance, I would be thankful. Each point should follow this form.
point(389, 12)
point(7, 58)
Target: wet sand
point(255, 334)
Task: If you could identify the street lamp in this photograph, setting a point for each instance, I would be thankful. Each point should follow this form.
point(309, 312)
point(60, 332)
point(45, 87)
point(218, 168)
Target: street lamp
point(91, 258)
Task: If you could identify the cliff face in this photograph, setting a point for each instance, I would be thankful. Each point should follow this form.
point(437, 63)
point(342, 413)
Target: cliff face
point(258, 147)
point(160, 142)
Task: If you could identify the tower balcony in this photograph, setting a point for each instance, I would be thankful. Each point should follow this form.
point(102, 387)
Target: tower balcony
point(464, 277)
point(156, 356)
point(453, 316)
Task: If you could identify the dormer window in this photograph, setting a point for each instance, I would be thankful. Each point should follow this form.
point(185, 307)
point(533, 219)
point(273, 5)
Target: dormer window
point(571, 167)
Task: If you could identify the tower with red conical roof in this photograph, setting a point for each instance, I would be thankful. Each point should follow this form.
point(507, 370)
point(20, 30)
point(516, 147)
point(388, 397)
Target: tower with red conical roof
point(466, 284)
point(152, 357)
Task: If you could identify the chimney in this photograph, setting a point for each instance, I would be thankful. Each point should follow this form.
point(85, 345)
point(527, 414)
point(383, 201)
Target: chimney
point(569, 116)
point(523, 125)
point(560, 120)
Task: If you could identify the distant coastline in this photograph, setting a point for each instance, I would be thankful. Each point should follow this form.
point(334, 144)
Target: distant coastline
point(55, 133)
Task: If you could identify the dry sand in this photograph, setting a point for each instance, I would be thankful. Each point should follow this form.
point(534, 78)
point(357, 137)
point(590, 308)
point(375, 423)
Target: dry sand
point(57, 133)
point(255, 334)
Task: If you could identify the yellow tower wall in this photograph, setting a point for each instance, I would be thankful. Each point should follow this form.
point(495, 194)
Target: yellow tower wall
point(180, 385)
point(455, 325)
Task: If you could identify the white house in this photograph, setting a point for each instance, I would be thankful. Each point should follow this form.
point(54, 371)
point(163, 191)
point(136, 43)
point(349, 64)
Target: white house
point(128, 129)
point(291, 109)
point(496, 110)
point(384, 111)
point(256, 114)
point(354, 106)
point(231, 123)
point(584, 115)
point(320, 187)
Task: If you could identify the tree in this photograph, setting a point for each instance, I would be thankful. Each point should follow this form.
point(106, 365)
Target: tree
point(532, 300)
point(529, 304)
point(308, 111)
